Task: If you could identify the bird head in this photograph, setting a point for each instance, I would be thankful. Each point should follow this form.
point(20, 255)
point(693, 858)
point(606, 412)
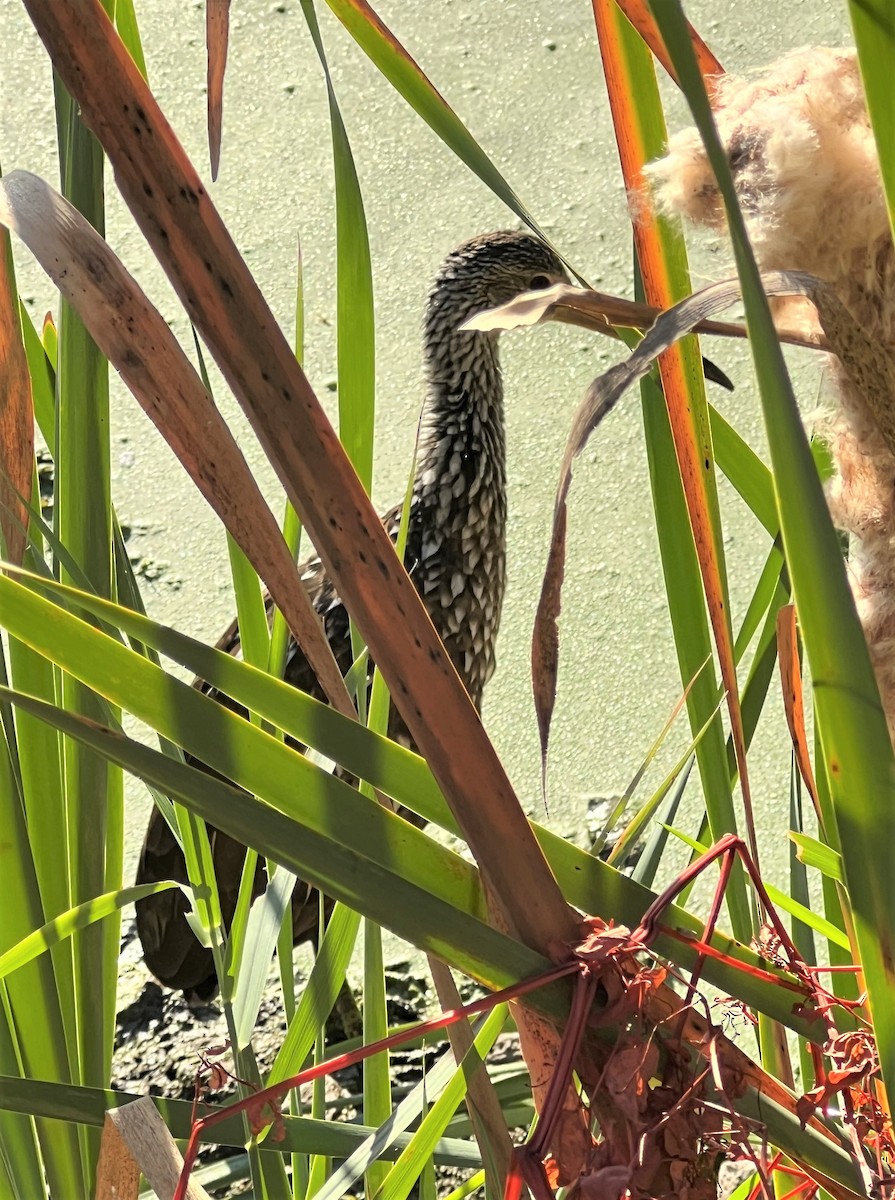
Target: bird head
point(487, 271)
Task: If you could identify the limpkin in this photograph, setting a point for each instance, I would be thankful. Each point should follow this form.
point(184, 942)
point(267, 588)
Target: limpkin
point(455, 554)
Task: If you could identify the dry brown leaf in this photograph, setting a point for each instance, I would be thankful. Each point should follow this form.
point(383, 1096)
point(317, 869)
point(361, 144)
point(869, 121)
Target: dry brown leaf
point(16, 416)
point(545, 638)
point(793, 701)
point(627, 1077)
point(482, 1102)
point(136, 340)
point(217, 29)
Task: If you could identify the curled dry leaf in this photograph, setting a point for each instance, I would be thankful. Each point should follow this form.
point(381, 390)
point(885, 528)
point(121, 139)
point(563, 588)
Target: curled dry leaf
point(855, 1059)
point(268, 1110)
point(545, 639)
point(136, 340)
point(648, 1091)
point(869, 361)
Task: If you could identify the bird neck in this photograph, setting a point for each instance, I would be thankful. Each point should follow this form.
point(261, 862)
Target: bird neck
point(463, 413)
point(458, 522)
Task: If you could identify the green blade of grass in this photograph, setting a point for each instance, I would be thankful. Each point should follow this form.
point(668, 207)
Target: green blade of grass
point(587, 883)
point(88, 1106)
point(319, 994)
point(407, 1112)
point(662, 276)
point(855, 740)
point(94, 796)
point(355, 347)
point(129, 32)
point(745, 470)
point(223, 740)
point(406, 1170)
point(268, 913)
point(68, 923)
point(404, 74)
point(21, 1170)
point(690, 625)
point(377, 1069)
point(874, 30)
point(43, 381)
point(332, 860)
point(635, 826)
point(34, 1033)
point(814, 853)
point(387, 766)
point(279, 631)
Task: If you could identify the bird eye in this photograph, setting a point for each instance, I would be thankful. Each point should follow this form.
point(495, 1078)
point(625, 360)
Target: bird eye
point(539, 281)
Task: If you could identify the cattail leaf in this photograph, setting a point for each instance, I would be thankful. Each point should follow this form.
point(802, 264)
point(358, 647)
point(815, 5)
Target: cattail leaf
point(874, 31)
point(301, 1135)
point(265, 918)
point(407, 77)
point(662, 265)
point(601, 398)
point(855, 742)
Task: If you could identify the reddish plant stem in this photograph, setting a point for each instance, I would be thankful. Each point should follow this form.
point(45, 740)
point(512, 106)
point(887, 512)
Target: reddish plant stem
point(582, 1001)
point(526, 1168)
point(274, 1094)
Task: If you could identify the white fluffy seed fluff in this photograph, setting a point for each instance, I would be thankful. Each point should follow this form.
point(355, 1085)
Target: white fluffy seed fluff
point(804, 162)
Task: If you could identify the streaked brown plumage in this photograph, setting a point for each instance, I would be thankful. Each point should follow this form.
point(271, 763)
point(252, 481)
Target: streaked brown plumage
point(455, 555)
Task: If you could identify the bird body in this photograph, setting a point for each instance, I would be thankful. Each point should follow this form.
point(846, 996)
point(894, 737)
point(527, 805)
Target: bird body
point(455, 555)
